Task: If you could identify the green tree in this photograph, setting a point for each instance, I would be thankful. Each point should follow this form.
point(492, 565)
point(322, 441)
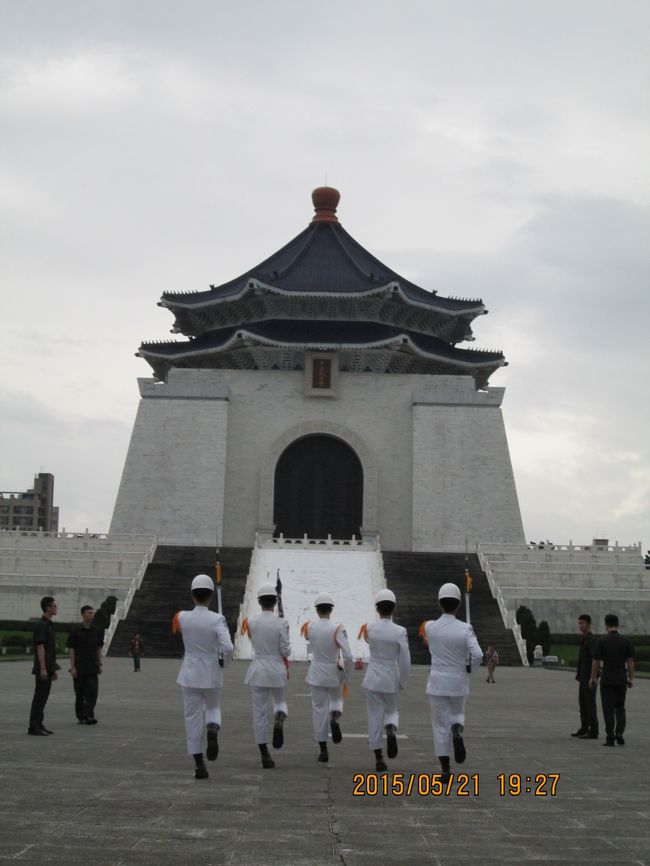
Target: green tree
point(102, 618)
point(544, 633)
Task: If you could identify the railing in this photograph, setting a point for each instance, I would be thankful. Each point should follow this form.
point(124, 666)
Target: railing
point(508, 618)
point(489, 547)
point(268, 541)
point(122, 609)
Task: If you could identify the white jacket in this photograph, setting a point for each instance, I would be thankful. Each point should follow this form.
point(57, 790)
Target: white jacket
point(327, 640)
point(205, 635)
point(451, 643)
point(390, 660)
point(269, 636)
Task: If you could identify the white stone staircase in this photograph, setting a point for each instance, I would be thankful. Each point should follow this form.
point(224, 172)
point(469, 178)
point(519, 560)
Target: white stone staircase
point(352, 572)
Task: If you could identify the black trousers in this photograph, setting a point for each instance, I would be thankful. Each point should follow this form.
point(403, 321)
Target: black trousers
point(588, 711)
point(41, 694)
point(86, 687)
point(613, 702)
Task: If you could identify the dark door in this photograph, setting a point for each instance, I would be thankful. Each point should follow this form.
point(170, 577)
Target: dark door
point(318, 489)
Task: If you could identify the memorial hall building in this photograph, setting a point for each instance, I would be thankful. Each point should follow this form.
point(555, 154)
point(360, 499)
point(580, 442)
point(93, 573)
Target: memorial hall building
point(320, 394)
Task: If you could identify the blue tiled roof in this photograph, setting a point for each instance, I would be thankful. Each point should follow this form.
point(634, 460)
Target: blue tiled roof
point(316, 333)
point(323, 259)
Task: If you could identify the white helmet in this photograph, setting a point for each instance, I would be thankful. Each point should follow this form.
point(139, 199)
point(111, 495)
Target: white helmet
point(202, 581)
point(323, 598)
point(266, 589)
point(449, 590)
point(385, 595)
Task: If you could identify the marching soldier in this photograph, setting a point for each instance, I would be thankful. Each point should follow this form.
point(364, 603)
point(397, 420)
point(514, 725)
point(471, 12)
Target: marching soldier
point(205, 636)
point(326, 676)
point(387, 673)
point(268, 672)
point(451, 644)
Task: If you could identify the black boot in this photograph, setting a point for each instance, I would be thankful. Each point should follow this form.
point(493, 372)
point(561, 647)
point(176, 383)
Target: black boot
point(380, 764)
point(267, 761)
point(337, 736)
point(444, 766)
point(278, 729)
point(391, 741)
point(200, 770)
point(459, 746)
point(213, 742)
point(324, 754)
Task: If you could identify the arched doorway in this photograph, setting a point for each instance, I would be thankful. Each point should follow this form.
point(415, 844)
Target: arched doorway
point(318, 489)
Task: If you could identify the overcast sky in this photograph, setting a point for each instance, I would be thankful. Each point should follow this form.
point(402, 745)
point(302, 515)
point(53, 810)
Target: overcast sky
point(494, 149)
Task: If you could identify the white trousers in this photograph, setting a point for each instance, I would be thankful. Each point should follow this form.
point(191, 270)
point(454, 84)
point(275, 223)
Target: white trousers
point(260, 697)
point(382, 711)
point(445, 712)
point(201, 707)
point(324, 700)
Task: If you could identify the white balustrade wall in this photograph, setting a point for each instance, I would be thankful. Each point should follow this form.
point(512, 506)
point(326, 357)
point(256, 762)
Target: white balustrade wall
point(559, 582)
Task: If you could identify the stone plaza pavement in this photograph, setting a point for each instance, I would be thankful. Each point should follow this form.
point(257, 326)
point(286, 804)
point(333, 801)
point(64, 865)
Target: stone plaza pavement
point(123, 792)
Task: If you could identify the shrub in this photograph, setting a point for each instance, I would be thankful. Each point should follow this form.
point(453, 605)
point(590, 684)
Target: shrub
point(107, 608)
point(16, 640)
point(544, 634)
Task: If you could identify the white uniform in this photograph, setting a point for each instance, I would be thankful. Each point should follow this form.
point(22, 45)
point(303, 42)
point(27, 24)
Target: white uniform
point(205, 635)
point(328, 641)
point(387, 673)
point(451, 644)
point(267, 673)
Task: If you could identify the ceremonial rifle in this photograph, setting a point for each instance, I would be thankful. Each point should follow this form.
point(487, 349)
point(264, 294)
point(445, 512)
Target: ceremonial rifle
point(278, 590)
point(217, 581)
point(468, 589)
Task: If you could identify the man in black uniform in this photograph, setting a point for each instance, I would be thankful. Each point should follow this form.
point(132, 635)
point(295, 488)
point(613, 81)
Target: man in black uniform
point(617, 655)
point(588, 729)
point(45, 667)
point(85, 648)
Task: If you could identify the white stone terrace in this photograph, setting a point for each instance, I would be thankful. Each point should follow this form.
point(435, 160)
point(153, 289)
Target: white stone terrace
point(560, 581)
point(76, 568)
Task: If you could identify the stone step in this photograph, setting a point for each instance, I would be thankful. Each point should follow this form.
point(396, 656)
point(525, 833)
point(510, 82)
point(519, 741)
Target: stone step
point(415, 578)
point(165, 590)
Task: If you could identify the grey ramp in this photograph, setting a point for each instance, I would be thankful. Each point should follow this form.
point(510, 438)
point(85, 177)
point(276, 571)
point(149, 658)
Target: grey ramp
point(123, 792)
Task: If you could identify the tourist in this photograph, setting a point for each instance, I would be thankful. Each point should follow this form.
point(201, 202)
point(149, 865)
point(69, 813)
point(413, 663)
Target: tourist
point(387, 672)
point(326, 675)
point(267, 674)
point(85, 644)
point(451, 644)
point(491, 661)
point(616, 652)
point(136, 651)
point(206, 640)
point(588, 729)
point(45, 666)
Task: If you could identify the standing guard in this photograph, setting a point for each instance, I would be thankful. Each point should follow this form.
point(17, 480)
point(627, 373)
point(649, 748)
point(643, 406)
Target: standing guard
point(388, 672)
point(327, 676)
point(268, 672)
point(205, 637)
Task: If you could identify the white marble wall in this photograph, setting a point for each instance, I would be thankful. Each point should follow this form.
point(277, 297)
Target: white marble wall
point(205, 445)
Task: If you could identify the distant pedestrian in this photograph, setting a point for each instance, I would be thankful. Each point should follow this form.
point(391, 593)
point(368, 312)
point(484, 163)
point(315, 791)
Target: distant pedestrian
point(616, 652)
point(136, 651)
point(45, 666)
point(387, 673)
point(491, 661)
point(329, 671)
point(588, 729)
point(451, 644)
point(86, 660)
point(267, 674)
point(205, 637)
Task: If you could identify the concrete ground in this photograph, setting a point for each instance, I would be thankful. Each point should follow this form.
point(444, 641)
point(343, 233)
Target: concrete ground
point(123, 792)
